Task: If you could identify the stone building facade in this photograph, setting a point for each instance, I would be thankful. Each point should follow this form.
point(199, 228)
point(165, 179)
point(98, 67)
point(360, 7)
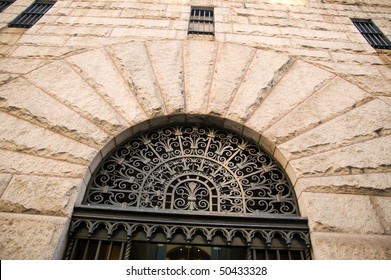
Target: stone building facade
point(294, 76)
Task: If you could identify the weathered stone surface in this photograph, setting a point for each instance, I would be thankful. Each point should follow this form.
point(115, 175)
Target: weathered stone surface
point(265, 70)
point(4, 181)
point(360, 158)
point(13, 162)
point(362, 123)
point(42, 195)
point(288, 94)
point(340, 213)
point(382, 206)
point(19, 66)
point(74, 92)
point(167, 62)
point(29, 236)
point(317, 109)
point(199, 64)
point(362, 184)
point(133, 60)
point(231, 65)
point(22, 99)
point(19, 135)
point(337, 246)
point(98, 69)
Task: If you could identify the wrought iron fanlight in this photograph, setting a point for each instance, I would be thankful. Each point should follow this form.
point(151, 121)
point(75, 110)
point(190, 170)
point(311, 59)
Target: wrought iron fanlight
point(193, 169)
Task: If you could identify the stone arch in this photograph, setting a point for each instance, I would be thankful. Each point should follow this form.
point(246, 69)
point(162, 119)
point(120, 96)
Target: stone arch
point(298, 123)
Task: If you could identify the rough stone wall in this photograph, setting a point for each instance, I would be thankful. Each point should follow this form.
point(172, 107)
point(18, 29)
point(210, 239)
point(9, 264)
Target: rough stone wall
point(293, 75)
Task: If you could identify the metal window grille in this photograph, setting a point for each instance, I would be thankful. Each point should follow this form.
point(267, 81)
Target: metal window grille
point(31, 15)
point(372, 34)
point(5, 4)
point(201, 21)
point(186, 185)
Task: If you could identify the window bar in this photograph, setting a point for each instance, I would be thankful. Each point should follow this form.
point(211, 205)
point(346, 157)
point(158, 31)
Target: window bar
point(98, 250)
point(121, 252)
point(108, 256)
point(289, 255)
point(278, 255)
point(86, 250)
point(302, 255)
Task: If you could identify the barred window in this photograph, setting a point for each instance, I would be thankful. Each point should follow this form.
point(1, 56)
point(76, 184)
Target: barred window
point(188, 191)
point(201, 21)
point(31, 15)
point(5, 4)
point(372, 34)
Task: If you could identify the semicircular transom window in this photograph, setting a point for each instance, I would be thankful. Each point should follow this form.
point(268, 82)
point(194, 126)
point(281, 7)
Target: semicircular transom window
point(192, 168)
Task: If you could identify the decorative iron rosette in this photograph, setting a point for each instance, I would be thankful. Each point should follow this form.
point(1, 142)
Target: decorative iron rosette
point(192, 168)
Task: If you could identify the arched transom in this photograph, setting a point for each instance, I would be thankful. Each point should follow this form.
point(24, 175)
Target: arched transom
point(192, 168)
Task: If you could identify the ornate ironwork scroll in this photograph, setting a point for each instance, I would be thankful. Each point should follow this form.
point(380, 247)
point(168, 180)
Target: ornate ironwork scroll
point(192, 168)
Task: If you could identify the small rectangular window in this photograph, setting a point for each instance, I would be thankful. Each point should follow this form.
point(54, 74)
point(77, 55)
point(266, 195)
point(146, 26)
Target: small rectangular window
point(372, 34)
point(4, 4)
point(31, 15)
point(201, 21)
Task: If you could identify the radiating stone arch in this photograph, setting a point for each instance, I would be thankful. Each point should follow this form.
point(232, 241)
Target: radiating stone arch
point(82, 109)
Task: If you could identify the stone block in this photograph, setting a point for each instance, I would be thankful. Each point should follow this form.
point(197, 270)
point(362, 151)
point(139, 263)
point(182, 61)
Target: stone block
point(362, 123)
point(199, 65)
point(167, 61)
point(74, 92)
point(19, 66)
point(29, 237)
point(264, 72)
point(288, 94)
point(43, 40)
point(345, 213)
point(22, 136)
point(231, 65)
point(376, 184)
point(14, 162)
point(20, 98)
point(100, 71)
point(43, 195)
point(336, 246)
point(382, 206)
point(134, 62)
point(368, 157)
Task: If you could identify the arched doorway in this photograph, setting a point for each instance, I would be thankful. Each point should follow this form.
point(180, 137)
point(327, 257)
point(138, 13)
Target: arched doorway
point(184, 189)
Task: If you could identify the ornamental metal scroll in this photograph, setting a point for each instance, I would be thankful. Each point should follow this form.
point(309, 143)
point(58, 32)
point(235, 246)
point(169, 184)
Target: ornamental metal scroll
point(192, 168)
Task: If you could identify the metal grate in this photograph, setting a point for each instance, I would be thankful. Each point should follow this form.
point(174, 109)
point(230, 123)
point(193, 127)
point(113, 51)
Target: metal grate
point(5, 4)
point(372, 34)
point(192, 168)
point(201, 21)
point(31, 15)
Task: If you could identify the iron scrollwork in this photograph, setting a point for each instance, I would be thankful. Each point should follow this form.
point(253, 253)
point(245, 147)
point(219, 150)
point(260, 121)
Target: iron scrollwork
point(192, 168)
